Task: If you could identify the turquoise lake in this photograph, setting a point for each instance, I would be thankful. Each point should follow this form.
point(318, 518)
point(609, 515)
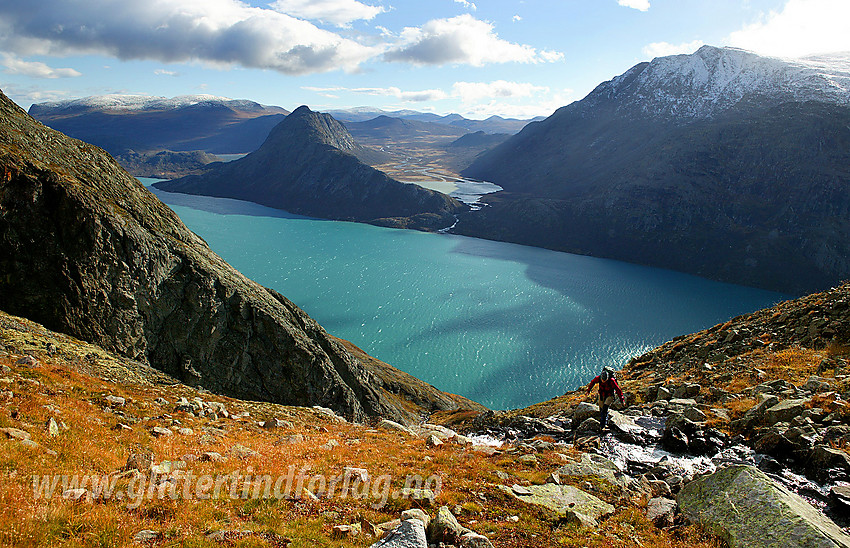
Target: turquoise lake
point(503, 324)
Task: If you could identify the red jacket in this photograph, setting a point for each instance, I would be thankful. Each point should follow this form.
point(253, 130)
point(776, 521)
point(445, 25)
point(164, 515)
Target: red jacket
point(606, 388)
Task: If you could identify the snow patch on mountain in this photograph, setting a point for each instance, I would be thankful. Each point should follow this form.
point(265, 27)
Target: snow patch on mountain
point(121, 102)
point(712, 80)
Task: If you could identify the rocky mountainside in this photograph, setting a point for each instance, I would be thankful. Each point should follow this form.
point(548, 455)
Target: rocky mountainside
point(165, 164)
point(85, 249)
point(308, 166)
point(119, 123)
point(722, 163)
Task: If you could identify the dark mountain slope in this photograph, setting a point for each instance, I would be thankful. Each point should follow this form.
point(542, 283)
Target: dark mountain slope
point(87, 250)
point(386, 129)
point(121, 123)
point(307, 166)
point(746, 182)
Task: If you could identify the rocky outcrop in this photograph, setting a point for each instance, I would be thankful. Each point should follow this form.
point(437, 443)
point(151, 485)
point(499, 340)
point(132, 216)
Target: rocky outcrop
point(86, 250)
point(165, 164)
point(722, 164)
point(308, 166)
point(745, 507)
point(813, 321)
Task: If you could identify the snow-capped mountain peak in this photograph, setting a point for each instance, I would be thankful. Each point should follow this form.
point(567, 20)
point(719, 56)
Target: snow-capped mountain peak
point(712, 80)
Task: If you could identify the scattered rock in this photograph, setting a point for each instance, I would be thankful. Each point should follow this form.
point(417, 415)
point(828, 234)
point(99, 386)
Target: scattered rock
point(416, 513)
point(27, 361)
point(584, 411)
point(185, 431)
point(15, 434)
point(445, 528)
point(433, 441)
point(242, 452)
point(784, 411)
point(83, 496)
point(661, 511)
point(347, 531)
point(146, 536)
point(330, 445)
point(160, 432)
point(694, 414)
point(398, 427)
point(52, 427)
point(212, 456)
point(596, 466)
point(745, 507)
point(115, 401)
point(825, 463)
point(424, 497)
point(408, 534)
point(567, 503)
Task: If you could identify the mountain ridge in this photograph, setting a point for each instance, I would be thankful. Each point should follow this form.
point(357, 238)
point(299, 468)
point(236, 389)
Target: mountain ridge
point(87, 250)
point(308, 166)
point(730, 191)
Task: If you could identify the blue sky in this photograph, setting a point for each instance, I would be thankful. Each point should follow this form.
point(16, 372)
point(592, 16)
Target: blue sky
point(478, 58)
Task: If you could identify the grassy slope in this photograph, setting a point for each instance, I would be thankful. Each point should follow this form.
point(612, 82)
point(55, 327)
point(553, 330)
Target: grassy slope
point(62, 385)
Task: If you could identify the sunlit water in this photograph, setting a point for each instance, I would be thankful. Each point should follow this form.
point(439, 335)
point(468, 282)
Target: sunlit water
point(503, 324)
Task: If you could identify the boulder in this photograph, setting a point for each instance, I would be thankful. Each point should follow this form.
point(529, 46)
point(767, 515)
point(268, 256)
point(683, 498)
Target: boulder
point(784, 411)
point(694, 414)
point(433, 441)
point(474, 540)
point(416, 513)
point(445, 528)
point(584, 411)
point(745, 507)
point(690, 390)
point(825, 463)
point(567, 503)
point(661, 511)
point(387, 424)
point(409, 534)
point(596, 466)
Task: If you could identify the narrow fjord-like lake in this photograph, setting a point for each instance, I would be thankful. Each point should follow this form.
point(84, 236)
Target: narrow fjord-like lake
point(503, 324)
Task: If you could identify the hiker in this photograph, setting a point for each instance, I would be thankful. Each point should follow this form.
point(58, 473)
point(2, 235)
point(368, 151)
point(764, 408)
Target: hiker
point(607, 387)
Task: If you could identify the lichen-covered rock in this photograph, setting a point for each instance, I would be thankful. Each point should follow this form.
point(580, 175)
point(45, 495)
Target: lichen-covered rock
point(746, 508)
point(566, 502)
point(596, 466)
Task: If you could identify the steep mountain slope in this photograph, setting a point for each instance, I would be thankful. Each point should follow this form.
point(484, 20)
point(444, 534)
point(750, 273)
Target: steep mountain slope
point(308, 166)
point(85, 249)
point(722, 163)
point(197, 122)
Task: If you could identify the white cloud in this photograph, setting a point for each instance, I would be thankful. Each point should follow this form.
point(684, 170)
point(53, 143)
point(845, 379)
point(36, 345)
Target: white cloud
point(15, 65)
point(222, 32)
point(641, 5)
point(459, 40)
point(801, 27)
point(662, 49)
point(337, 12)
point(163, 72)
point(467, 5)
point(470, 92)
point(516, 18)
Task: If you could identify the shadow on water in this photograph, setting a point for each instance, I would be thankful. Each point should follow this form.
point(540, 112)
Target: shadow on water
point(504, 324)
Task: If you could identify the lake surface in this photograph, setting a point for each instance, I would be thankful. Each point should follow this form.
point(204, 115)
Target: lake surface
point(503, 324)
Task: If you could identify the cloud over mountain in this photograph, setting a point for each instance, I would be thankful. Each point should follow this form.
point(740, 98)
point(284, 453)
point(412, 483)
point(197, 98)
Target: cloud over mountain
point(215, 31)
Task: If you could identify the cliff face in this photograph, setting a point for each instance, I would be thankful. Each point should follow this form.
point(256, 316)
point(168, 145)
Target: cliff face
point(723, 164)
point(308, 166)
point(87, 250)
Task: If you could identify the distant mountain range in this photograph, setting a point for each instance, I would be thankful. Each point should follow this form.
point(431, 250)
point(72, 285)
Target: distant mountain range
point(493, 124)
point(309, 165)
point(119, 123)
point(721, 163)
point(216, 125)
